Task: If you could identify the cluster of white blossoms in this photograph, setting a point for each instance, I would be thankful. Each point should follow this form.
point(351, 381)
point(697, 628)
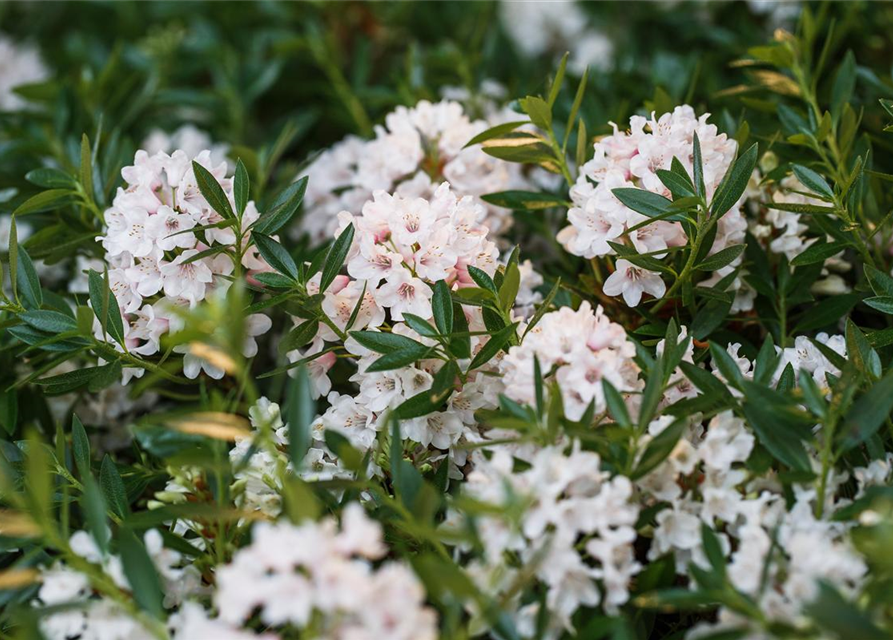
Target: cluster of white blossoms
point(538, 28)
point(156, 226)
point(19, 65)
point(401, 247)
point(574, 531)
point(81, 614)
point(631, 159)
point(583, 348)
point(775, 554)
point(416, 149)
point(321, 575)
point(784, 232)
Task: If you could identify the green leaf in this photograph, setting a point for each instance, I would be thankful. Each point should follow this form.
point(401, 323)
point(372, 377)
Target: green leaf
point(406, 479)
point(300, 336)
point(679, 186)
point(508, 290)
point(141, 573)
point(335, 257)
point(721, 258)
point(644, 202)
point(734, 183)
point(113, 487)
point(844, 85)
point(80, 447)
point(726, 365)
point(27, 282)
point(385, 342)
point(401, 358)
point(659, 448)
point(9, 410)
point(698, 167)
point(212, 191)
point(481, 279)
point(813, 181)
point(241, 187)
point(525, 147)
point(557, 81)
point(869, 412)
point(884, 304)
point(422, 326)
point(49, 321)
point(86, 173)
point(881, 283)
point(299, 412)
point(779, 425)
point(94, 509)
point(839, 617)
point(525, 200)
point(818, 252)
point(713, 550)
point(616, 405)
point(442, 307)
point(539, 110)
point(283, 208)
point(495, 132)
point(42, 201)
point(105, 306)
point(50, 178)
point(496, 342)
point(276, 255)
point(827, 312)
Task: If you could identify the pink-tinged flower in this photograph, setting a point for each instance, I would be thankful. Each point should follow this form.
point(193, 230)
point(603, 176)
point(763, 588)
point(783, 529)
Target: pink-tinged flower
point(632, 281)
point(404, 293)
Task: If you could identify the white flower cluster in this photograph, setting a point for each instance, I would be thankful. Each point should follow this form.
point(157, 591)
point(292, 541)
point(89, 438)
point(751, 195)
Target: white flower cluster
point(584, 348)
point(290, 575)
point(416, 150)
point(19, 65)
point(631, 160)
point(156, 226)
point(575, 531)
point(103, 618)
point(784, 232)
point(401, 247)
point(776, 554)
point(537, 28)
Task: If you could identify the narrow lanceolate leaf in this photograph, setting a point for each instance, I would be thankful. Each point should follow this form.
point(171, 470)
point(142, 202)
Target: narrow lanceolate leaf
point(496, 342)
point(80, 447)
point(721, 259)
point(113, 487)
point(400, 358)
point(141, 573)
point(299, 411)
point(495, 132)
point(105, 306)
point(86, 174)
point(43, 201)
point(275, 255)
point(383, 342)
point(813, 181)
point(283, 208)
point(678, 185)
point(818, 253)
point(49, 321)
point(734, 182)
point(241, 187)
point(698, 167)
point(642, 201)
point(335, 257)
point(525, 200)
point(212, 191)
point(869, 413)
point(27, 282)
point(660, 448)
point(442, 307)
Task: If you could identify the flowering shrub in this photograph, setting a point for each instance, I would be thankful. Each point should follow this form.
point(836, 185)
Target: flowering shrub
point(398, 356)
